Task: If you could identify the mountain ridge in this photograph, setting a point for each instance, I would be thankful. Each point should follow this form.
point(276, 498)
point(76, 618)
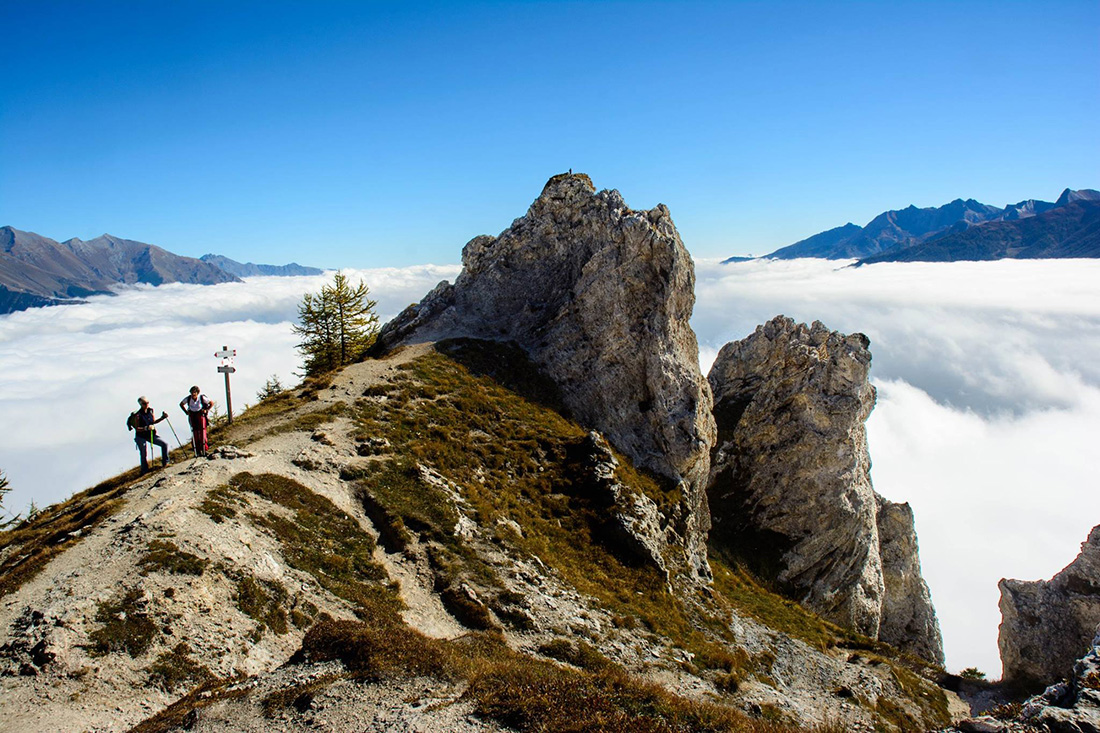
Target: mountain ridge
point(249, 269)
point(897, 230)
point(36, 270)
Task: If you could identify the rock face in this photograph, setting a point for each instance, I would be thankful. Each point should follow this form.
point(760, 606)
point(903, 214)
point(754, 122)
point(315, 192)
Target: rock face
point(599, 296)
point(790, 486)
point(1046, 623)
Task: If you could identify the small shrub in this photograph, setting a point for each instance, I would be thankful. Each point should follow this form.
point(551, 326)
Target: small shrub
point(219, 504)
point(379, 647)
point(272, 388)
point(1008, 711)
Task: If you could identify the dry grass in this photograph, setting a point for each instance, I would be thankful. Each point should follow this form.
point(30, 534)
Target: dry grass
point(321, 540)
point(515, 689)
point(481, 415)
point(31, 545)
point(183, 713)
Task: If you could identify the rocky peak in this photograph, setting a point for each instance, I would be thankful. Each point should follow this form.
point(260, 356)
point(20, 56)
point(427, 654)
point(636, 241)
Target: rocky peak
point(1046, 623)
point(790, 490)
point(599, 296)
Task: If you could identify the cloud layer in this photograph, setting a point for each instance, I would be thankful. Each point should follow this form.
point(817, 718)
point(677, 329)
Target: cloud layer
point(989, 398)
point(988, 377)
point(69, 375)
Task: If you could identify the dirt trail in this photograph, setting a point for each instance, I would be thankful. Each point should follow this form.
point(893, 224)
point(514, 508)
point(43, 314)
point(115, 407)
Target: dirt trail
point(79, 691)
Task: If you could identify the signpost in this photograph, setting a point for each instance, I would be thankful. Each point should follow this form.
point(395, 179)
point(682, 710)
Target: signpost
point(227, 368)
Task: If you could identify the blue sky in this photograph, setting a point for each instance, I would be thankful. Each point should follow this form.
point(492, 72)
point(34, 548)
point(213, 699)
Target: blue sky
point(372, 134)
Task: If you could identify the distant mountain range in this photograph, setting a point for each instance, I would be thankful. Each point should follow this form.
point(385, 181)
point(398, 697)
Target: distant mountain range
point(964, 230)
point(38, 271)
point(248, 269)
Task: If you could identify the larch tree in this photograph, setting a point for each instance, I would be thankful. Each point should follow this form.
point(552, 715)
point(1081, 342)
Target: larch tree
point(337, 325)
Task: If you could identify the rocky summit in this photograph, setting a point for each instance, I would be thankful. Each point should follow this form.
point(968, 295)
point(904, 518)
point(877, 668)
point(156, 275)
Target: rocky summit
point(790, 490)
point(599, 295)
point(1046, 623)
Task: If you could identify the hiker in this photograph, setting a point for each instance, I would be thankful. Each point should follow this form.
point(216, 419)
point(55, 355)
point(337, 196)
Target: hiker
point(142, 422)
point(195, 405)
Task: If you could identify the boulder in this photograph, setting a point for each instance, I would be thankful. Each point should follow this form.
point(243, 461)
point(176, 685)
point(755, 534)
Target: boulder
point(790, 489)
point(1046, 623)
point(599, 296)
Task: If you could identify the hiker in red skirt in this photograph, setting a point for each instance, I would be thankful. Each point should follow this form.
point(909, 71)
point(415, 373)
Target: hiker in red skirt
point(196, 405)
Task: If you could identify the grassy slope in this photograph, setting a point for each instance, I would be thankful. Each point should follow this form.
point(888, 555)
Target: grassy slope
point(481, 417)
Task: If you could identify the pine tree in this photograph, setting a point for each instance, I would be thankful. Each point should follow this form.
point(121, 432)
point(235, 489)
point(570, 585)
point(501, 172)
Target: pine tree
point(271, 388)
point(337, 325)
point(9, 519)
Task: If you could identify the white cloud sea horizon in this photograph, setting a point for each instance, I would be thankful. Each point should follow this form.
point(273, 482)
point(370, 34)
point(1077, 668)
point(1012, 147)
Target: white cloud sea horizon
point(988, 377)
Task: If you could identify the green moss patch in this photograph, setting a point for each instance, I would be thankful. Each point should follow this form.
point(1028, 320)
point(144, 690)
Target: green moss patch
point(165, 557)
point(263, 601)
point(176, 668)
point(125, 626)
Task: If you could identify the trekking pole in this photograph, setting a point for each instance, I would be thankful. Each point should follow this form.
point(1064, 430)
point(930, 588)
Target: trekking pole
point(173, 432)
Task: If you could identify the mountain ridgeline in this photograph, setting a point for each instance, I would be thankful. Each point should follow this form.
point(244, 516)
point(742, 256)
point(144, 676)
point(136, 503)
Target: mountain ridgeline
point(965, 230)
point(39, 271)
point(249, 269)
point(527, 509)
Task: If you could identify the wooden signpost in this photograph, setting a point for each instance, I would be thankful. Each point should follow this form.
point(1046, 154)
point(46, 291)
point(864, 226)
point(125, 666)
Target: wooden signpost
point(227, 368)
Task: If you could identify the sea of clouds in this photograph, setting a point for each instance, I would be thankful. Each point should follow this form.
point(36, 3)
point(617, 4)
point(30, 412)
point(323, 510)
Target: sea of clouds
point(988, 377)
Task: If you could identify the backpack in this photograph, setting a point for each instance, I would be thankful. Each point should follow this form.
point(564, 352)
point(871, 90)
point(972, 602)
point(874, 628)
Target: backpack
point(132, 421)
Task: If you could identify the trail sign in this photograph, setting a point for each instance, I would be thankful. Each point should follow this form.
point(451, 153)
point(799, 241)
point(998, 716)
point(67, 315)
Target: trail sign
point(226, 355)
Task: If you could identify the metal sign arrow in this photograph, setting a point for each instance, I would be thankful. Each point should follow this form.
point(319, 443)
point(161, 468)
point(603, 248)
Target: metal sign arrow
point(226, 369)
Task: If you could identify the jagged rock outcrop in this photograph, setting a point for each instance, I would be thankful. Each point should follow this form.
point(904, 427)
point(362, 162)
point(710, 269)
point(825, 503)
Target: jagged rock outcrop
point(599, 296)
point(790, 483)
point(908, 618)
point(633, 523)
point(1046, 623)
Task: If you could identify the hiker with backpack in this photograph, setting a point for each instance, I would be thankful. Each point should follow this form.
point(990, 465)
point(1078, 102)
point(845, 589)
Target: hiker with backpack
point(142, 422)
point(196, 405)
